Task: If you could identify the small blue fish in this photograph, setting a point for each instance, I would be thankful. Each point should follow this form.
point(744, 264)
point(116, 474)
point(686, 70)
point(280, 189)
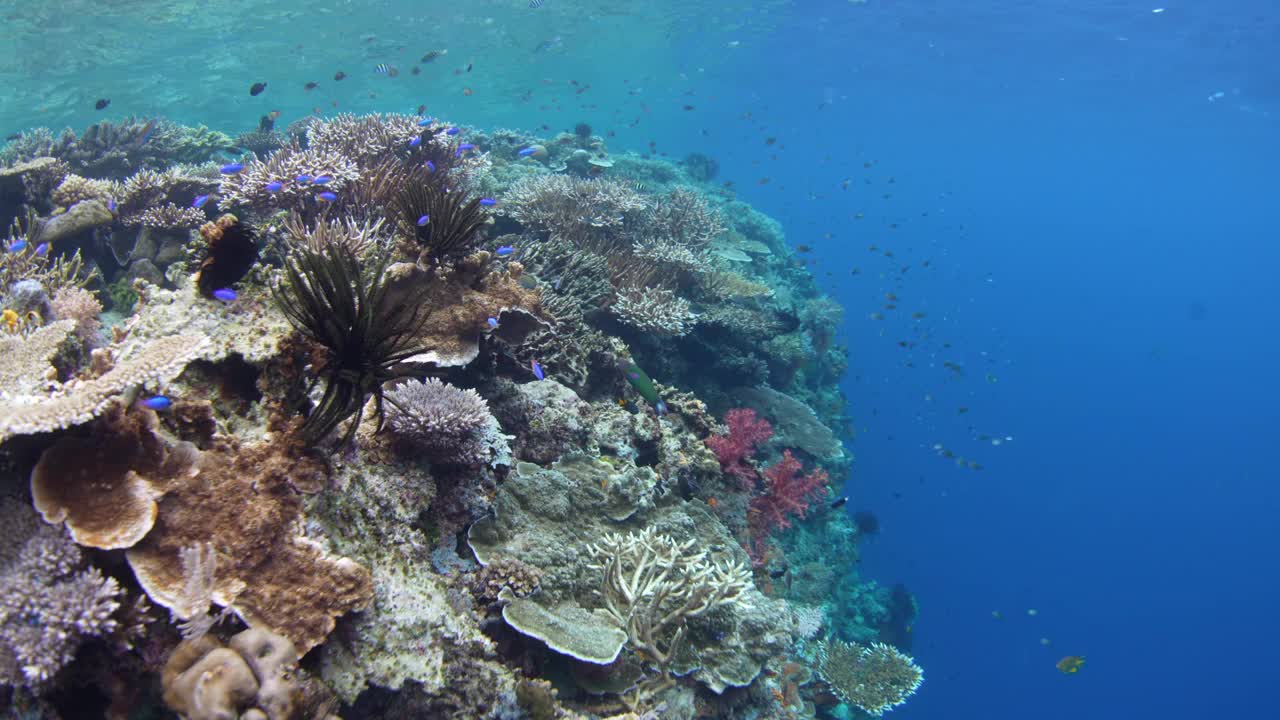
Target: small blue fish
point(157, 402)
point(327, 196)
point(42, 249)
point(111, 204)
point(200, 201)
point(452, 131)
point(321, 180)
point(527, 152)
point(493, 322)
point(424, 122)
point(537, 369)
point(424, 220)
point(17, 246)
point(224, 294)
point(231, 168)
point(304, 179)
point(505, 250)
point(415, 142)
point(488, 202)
point(431, 167)
point(274, 186)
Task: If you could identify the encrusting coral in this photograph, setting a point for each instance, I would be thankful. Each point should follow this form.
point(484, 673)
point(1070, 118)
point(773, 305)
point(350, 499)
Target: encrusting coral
point(251, 677)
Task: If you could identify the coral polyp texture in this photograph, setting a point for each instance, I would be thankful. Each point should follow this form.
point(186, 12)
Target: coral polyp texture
point(381, 416)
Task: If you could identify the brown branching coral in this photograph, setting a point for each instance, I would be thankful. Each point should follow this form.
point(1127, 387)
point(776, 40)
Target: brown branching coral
point(167, 216)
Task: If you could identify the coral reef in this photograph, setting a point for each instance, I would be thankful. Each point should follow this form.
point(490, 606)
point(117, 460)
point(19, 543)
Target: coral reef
point(521, 346)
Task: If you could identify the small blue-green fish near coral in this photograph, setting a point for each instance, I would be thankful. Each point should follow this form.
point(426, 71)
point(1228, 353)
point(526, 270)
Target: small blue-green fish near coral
point(274, 186)
point(231, 168)
point(452, 131)
point(424, 122)
point(304, 179)
point(537, 369)
point(415, 142)
point(422, 221)
point(42, 249)
point(527, 152)
point(327, 196)
point(493, 322)
point(157, 402)
point(431, 167)
point(200, 201)
point(488, 202)
point(642, 383)
point(226, 295)
point(17, 246)
point(321, 180)
point(505, 250)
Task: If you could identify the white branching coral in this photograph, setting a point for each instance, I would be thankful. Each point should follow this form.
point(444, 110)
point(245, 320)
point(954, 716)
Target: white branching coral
point(570, 206)
point(655, 311)
point(365, 139)
point(74, 188)
point(255, 185)
point(875, 677)
point(653, 584)
point(358, 237)
point(49, 603)
point(668, 251)
point(450, 424)
point(167, 216)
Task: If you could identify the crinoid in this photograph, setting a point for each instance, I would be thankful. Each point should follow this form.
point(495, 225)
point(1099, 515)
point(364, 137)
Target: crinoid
point(445, 224)
point(365, 325)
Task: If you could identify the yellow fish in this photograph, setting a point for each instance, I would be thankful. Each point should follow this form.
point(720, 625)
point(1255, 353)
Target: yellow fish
point(1070, 664)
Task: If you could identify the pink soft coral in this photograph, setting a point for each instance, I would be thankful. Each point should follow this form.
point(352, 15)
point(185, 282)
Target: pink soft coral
point(787, 494)
point(746, 432)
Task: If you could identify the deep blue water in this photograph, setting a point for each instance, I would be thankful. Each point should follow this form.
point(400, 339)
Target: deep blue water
point(1102, 239)
point(1101, 245)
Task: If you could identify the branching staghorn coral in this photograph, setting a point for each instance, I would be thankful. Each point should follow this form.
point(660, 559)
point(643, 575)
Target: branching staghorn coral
point(655, 311)
point(654, 584)
point(357, 237)
point(591, 212)
point(875, 678)
point(364, 139)
point(74, 188)
point(49, 604)
point(52, 271)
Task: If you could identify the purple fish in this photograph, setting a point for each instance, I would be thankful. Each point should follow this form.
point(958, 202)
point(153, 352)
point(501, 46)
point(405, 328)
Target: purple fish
point(415, 142)
point(321, 180)
point(157, 402)
point(200, 201)
point(505, 250)
point(231, 168)
point(527, 152)
point(537, 369)
point(304, 179)
point(488, 202)
point(452, 131)
point(274, 186)
point(224, 294)
point(327, 196)
point(493, 322)
point(422, 221)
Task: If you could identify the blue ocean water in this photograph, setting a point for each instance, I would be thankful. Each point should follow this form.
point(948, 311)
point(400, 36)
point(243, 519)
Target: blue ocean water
point(1091, 184)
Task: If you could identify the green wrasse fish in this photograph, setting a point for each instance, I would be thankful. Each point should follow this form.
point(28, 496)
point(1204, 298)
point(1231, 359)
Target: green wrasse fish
point(641, 382)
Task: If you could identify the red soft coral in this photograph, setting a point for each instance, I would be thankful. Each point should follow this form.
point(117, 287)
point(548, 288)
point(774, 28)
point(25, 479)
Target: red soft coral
point(787, 494)
point(746, 432)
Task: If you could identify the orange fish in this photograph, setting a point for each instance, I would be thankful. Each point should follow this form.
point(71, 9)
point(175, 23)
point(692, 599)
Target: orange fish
point(1070, 664)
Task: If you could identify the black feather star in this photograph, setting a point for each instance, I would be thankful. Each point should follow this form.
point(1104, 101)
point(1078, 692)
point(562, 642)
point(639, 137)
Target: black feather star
point(365, 325)
point(232, 251)
point(446, 224)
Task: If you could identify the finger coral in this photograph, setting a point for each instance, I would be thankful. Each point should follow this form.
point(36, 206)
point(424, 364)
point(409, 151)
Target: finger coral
point(452, 425)
point(49, 604)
